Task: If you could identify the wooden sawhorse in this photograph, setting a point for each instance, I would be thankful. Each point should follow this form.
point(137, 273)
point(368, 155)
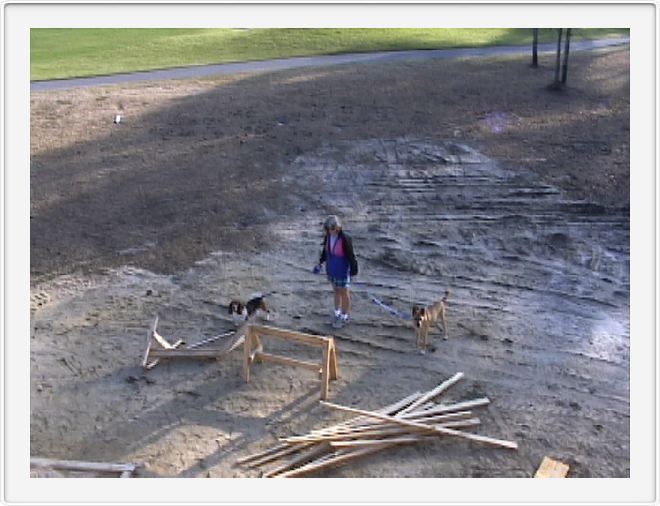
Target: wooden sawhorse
point(253, 351)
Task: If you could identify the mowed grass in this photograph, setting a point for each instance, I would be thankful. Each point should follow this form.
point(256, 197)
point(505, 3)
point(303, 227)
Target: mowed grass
point(77, 52)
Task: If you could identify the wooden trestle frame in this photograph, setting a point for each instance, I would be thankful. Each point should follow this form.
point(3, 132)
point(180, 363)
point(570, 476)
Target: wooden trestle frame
point(202, 349)
point(253, 351)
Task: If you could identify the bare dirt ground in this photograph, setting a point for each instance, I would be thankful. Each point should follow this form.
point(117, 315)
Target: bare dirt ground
point(468, 175)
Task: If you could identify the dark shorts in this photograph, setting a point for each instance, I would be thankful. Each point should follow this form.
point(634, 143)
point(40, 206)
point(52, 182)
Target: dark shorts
point(340, 282)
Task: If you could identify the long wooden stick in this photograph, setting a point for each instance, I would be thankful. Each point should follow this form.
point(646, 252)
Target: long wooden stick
point(288, 450)
point(377, 442)
point(390, 409)
point(79, 465)
point(374, 428)
point(152, 329)
point(186, 353)
point(448, 408)
point(264, 453)
point(338, 457)
point(306, 456)
point(433, 393)
point(300, 337)
point(209, 340)
point(401, 433)
point(426, 428)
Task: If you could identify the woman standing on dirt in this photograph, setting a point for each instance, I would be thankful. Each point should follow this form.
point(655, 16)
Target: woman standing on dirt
point(341, 265)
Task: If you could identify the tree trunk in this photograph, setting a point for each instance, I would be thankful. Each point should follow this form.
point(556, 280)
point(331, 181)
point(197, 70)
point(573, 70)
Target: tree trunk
point(567, 45)
point(559, 34)
point(535, 43)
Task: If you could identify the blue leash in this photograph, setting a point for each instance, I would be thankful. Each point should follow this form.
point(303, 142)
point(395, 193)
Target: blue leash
point(389, 309)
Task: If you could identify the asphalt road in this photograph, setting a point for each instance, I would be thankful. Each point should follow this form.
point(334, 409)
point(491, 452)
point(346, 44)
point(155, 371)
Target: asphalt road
point(312, 61)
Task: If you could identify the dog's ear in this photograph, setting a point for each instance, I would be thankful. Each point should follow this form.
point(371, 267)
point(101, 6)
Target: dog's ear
point(230, 308)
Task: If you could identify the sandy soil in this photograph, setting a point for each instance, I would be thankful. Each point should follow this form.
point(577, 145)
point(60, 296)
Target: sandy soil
point(469, 175)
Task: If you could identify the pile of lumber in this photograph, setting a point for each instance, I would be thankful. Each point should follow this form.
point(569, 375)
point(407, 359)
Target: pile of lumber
point(413, 419)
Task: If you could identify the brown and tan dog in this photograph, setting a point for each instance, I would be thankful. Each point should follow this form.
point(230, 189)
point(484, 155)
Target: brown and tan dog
point(424, 317)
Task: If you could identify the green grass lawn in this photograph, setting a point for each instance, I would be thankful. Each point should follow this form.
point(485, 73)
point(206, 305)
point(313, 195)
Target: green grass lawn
point(77, 52)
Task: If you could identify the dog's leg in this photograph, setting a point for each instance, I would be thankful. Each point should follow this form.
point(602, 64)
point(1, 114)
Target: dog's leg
point(426, 336)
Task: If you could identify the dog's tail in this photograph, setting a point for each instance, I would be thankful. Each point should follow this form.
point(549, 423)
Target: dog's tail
point(447, 292)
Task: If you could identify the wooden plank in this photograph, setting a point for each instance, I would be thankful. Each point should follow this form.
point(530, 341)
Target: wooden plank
point(145, 360)
point(154, 363)
point(390, 409)
point(279, 359)
point(371, 437)
point(334, 368)
point(325, 372)
point(427, 428)
point(162, 341)
point(186, 353)
point(301, 337)
point(247, 350)
point(377, 442)
point(448, 408)
point(276, 453)
point(339, 457)
point(434, 393)
point(269, 451)
point(209, 340)
point(79, 465)
point(257, 347)
point(379, 427)
point(152, 329)
point(551, 468)
point(235, 344)
point(306, 456)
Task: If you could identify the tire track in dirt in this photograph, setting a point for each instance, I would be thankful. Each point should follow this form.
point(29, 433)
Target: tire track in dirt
point(540, 282)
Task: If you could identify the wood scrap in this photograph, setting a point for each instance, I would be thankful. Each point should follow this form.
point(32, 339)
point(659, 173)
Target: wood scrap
point(122, 470)
point(551, 468)
point(419, 417)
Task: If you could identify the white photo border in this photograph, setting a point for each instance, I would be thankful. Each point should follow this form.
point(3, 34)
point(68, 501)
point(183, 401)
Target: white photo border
point(19, 17)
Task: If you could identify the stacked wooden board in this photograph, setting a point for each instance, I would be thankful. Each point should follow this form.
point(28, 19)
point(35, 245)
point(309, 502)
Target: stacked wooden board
point(411, 420)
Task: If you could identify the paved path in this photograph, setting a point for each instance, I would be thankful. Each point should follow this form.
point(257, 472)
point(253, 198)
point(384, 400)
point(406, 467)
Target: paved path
point(313, 61)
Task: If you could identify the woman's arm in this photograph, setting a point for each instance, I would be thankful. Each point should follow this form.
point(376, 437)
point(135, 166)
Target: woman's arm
point(351, 255)
point(324, 251)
